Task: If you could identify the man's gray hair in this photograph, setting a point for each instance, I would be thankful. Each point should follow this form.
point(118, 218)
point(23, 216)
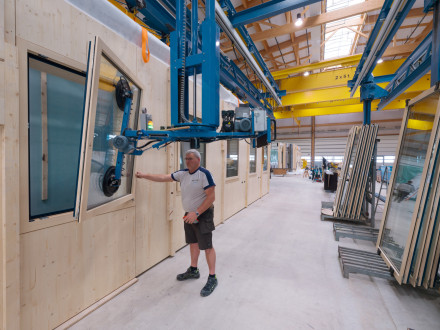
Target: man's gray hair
point(194, 152)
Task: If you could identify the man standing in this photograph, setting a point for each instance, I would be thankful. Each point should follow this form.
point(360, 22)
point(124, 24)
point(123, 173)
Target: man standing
point(198, 195)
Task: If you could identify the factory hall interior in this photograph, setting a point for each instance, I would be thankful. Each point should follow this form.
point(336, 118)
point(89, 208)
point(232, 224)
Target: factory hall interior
point(220, 164)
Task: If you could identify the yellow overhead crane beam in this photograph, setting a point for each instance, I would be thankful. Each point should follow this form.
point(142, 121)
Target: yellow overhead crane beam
point(334, 78)
point(341, 109)
point(339, 98)
point(342, 93)
point(344, 61)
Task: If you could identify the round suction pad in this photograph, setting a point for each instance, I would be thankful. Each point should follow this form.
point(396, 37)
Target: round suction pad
point(122, 91)
point(109, 184)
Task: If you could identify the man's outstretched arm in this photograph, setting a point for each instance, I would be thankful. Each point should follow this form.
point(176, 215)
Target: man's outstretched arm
point(155, 177)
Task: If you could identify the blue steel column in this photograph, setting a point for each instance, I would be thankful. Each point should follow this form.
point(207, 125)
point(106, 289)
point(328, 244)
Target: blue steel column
point(435, 74)
point(367, 112)
point(210, 67)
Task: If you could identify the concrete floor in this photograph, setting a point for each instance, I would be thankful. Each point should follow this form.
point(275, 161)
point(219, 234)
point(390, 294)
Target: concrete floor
point(278, 268)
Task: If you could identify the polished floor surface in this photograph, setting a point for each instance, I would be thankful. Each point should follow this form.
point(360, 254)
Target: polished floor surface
point(278, 268)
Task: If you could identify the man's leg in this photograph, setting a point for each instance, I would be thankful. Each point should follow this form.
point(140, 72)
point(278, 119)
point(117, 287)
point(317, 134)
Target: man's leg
point(212, 282)
point(210, 259)
point(195, 252)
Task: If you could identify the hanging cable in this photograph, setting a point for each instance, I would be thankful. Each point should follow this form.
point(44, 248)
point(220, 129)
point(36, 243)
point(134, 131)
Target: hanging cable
point(410, 35)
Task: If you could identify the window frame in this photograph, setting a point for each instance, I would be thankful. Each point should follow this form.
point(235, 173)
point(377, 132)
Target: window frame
point(402, 273)
point(24, 48)
point(255, 159)
point(97, 49)
point(238, 159)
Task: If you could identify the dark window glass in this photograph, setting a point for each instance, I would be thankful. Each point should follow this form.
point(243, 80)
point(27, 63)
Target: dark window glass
point(56, 98)
point(232, 158)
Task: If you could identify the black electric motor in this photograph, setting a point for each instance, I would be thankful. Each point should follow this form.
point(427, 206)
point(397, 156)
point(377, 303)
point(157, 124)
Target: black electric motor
point(228, 120)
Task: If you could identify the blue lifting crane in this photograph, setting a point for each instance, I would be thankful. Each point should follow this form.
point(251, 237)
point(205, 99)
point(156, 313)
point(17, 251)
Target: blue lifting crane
point(195, 49)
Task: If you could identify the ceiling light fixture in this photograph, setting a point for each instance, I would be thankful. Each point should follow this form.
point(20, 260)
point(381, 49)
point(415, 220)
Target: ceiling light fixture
point(299, 20)
point(379, 61)
point(306, 73)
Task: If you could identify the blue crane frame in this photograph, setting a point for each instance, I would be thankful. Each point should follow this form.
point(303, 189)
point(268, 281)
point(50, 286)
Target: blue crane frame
point(194, 52)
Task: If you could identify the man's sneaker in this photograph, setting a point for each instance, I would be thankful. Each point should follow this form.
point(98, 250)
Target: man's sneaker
point(188, 274)
point(209, 287)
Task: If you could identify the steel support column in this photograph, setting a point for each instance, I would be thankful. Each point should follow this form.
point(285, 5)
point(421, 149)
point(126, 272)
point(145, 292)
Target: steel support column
point(435, 74)
point(312, 147)
point(367, 112)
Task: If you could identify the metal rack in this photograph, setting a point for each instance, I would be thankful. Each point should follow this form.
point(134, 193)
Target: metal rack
point(363, 262)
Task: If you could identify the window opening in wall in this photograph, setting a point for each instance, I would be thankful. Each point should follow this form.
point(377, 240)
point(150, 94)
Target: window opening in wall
point(274, 156)
point(184, 146)
point(55, 98)
point(265, 152)
point(232, 158)
point(252, 160)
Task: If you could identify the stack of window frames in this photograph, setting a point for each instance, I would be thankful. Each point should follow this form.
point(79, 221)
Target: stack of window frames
point(352, 183)
point(409, 236)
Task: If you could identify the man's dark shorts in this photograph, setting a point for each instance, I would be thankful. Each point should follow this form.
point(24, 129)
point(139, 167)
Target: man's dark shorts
point(201, 232)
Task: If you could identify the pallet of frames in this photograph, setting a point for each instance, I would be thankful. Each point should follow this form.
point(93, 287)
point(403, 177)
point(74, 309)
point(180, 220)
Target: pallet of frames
point(408, 239)
point(352, 184)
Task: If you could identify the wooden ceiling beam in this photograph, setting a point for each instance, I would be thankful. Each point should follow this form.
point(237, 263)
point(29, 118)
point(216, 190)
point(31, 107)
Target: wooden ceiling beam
point(357, 36)
point(416, 12)
point(318, 20)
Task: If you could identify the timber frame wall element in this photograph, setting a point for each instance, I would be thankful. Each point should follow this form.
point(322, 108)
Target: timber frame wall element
point(54, 268)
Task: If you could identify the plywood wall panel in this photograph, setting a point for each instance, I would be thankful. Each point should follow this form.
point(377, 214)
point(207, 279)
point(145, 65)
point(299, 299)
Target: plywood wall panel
point(2, 92)
point(10, 217)
point(2, 201)
point(235, 188)
point(214, 163)
point(2, 30)
point(9, 22)
point(67, 268)
point(152, 223)
point(58, 26)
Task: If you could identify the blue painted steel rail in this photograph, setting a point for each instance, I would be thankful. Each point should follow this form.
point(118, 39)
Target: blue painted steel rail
point(416, 66)
point(268, 9)
point(162, 17)
point(235, 80)
point(379, 39)
point(231, 12)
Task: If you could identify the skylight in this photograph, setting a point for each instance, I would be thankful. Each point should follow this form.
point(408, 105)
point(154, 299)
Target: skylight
point(339, 40)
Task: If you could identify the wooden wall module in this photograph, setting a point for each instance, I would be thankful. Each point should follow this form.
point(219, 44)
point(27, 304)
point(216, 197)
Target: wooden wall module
point(2, 195)
point(11, 210)
point(235, 188)
point(152, 223)
point(2, 92)
point(57, 267)
point(253, 179)
point(216, 164)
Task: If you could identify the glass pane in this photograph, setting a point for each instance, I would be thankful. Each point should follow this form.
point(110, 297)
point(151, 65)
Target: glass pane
point(232, 158)
point(264, 158)
point(422, 212)
point(274, 156)
point(56, 98)
point(108, 124)
point(408, 179)
point(184, 146)
point(252, 160)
